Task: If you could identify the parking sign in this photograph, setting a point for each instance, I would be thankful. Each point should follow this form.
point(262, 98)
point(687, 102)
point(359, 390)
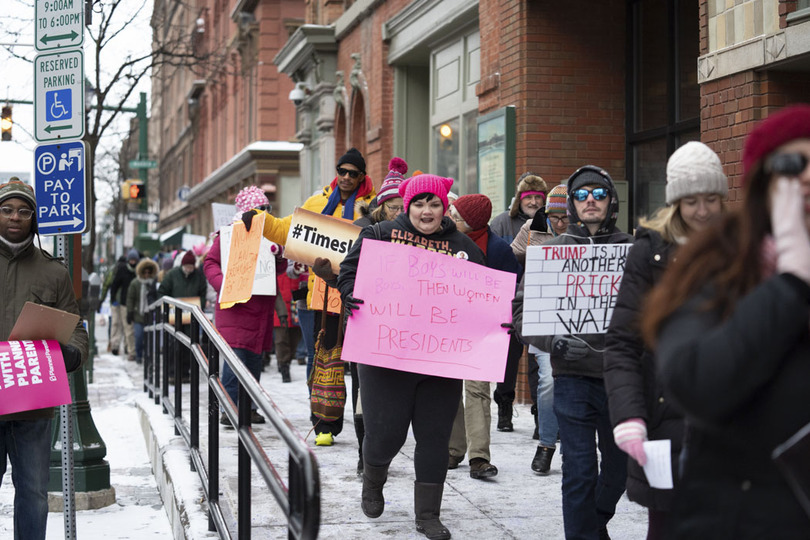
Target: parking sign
point(60, 185)
point(59, 96)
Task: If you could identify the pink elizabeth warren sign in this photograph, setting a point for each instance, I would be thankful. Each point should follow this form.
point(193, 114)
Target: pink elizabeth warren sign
point(32, 376)
point(426, 312)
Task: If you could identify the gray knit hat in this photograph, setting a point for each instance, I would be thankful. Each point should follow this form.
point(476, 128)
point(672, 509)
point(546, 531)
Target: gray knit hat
point(20, 190)
point(694, 168)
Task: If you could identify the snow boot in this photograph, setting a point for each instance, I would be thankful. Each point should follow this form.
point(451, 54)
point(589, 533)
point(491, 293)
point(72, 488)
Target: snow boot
point(427, 505)
point(373, 501)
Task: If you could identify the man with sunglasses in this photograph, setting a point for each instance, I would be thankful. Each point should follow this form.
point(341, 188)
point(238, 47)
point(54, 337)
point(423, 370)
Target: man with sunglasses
point(30, 275)
point(580, 401)
point(340, 199)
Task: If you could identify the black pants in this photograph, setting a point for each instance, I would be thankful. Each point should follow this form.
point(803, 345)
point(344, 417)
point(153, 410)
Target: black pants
point(392, 401)
point(505, 391)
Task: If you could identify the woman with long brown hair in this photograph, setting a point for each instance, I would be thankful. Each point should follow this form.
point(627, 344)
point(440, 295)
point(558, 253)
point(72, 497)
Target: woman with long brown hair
point(730, 321)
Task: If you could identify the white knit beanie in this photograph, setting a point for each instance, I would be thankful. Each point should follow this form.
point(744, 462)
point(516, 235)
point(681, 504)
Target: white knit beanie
point(694, 168)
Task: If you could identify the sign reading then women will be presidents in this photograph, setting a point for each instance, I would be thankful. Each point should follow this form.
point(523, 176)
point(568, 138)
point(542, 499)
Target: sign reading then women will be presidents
point(426, 312)
point(32, 376)
point(571, 289)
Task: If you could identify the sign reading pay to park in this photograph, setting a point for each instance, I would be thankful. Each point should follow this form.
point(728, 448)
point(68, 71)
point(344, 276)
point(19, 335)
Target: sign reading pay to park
point(571, 289)
point(427, 312)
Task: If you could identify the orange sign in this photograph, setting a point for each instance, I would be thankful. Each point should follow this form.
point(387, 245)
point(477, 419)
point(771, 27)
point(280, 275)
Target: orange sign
point(237, 284)
point(318, 294)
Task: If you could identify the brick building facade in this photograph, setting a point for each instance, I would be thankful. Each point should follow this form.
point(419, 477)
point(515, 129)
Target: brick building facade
point(616, 83)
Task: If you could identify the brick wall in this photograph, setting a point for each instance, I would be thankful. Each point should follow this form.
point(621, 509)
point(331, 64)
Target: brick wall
point(563, 67)
point(731, 106)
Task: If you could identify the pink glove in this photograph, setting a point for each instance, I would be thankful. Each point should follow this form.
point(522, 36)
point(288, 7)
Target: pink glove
point(789, 226)
point(630, 436)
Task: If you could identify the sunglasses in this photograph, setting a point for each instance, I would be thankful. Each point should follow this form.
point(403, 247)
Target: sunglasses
point(581, 194)
point(786, 164)
point(343, 172)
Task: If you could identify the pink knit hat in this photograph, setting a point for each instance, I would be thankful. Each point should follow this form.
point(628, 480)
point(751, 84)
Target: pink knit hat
point(425, 183)
point(249, 198)
point(390, 186)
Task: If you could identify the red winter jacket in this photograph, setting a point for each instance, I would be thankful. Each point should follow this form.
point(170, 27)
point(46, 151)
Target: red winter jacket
point(244, 326)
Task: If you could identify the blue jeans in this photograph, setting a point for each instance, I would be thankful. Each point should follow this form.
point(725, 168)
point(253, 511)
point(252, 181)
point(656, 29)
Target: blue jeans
point(547, 425)
point(27, 443)
point(589, 496)
point(252, 361)
point(138, 327)
point(306, 320)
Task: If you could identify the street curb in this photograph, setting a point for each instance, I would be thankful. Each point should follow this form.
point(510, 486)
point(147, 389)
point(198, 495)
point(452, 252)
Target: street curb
point(169, 459)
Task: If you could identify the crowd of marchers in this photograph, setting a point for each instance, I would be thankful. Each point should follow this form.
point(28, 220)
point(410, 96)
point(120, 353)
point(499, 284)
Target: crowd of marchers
point(708, 345)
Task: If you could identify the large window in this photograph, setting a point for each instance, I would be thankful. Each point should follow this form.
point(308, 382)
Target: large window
point(663, 94)
point(455, 70)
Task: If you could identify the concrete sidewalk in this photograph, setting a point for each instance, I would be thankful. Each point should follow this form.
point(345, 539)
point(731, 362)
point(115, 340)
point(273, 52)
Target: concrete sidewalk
point(515, 504)
point(150, 467)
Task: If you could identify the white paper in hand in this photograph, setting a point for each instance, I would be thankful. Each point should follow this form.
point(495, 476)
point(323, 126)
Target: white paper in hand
point(659, 463)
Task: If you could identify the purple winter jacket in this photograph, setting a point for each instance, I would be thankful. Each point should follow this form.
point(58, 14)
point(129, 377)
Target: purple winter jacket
point(244, 326)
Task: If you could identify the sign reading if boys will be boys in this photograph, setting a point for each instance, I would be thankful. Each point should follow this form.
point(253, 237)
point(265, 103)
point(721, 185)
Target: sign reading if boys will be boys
point(571, 289)
point(427, 312)
point(32, 376)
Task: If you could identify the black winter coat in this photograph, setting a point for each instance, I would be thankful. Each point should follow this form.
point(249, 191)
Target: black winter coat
point(743, 384)
point(124, 274)
point(633, 388)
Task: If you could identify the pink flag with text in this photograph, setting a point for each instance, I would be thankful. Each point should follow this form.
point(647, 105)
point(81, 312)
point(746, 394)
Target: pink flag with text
point(427, 312)
point(32, 376)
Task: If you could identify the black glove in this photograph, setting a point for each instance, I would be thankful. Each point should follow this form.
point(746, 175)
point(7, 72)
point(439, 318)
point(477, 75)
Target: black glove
point(539, 222)
point(247, 218)
point(283, 321)
point(510, 328)
point(568, 347)
point(130, 317)
point(71, 356)
point(351, 303)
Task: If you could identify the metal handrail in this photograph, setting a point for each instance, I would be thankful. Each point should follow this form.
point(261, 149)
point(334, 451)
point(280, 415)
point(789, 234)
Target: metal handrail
point(299, 498)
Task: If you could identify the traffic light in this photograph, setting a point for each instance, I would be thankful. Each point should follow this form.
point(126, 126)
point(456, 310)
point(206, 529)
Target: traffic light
point(133, 190)
point(6, 122)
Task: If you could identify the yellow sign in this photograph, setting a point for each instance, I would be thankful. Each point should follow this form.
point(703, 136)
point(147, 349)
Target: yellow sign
point(237, 284)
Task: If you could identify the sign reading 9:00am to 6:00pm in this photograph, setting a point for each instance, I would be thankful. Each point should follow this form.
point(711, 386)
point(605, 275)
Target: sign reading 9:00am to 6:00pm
point(59, 24)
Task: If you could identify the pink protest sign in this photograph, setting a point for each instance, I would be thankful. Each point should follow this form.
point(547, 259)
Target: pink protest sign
point(426, 312)
point(32, 376)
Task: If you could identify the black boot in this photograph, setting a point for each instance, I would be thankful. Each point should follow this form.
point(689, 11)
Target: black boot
point(541, 464)
point(285, 372)
point(360, 431)
point(427, 505)
point(505, 416)
point(536, 434)
point(373, 501)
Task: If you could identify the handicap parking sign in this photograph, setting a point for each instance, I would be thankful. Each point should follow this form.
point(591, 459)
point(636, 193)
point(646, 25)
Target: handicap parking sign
point(58, 105)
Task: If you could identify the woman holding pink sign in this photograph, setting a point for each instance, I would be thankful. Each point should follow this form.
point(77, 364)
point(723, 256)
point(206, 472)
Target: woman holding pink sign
point(393, 400)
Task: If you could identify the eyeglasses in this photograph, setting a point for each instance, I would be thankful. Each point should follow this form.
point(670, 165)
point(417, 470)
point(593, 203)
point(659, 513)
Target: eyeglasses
point(24, 213)
point(786, 164)
point(343, 172)
point(581, 194)
point(393, 208)
point(558, 219)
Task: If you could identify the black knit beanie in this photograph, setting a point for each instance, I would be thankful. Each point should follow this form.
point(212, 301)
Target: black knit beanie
point(354, 157)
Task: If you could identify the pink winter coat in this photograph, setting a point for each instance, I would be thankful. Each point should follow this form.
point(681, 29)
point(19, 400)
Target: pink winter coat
point(244, 326)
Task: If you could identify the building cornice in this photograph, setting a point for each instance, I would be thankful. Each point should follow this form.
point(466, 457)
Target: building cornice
point(249, 160)
point(765, 51)
point(301, 51)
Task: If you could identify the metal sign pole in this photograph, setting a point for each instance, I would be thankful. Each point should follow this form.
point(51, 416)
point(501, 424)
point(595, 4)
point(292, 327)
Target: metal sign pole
point(66, 432)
